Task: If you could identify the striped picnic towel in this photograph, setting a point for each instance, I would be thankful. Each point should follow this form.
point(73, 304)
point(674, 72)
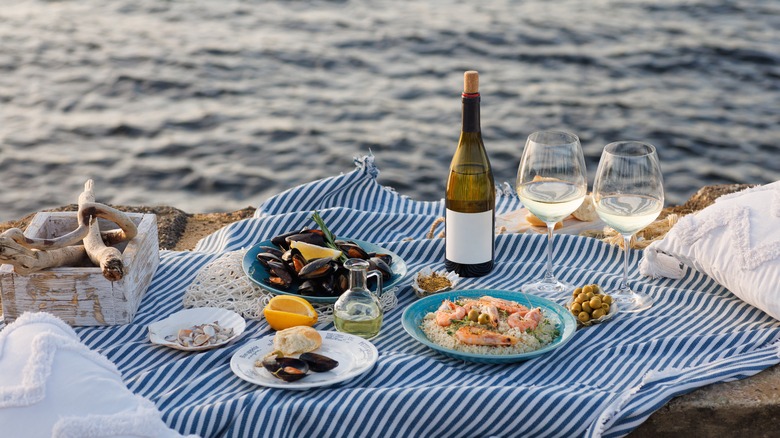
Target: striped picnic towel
point(604, 382)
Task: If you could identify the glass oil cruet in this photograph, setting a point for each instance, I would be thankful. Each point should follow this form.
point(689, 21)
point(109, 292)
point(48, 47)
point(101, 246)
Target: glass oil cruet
point(358, 311)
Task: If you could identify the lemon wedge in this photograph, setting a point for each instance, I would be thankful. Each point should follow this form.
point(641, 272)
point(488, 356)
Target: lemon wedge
point(311, 252)
point(285, 311)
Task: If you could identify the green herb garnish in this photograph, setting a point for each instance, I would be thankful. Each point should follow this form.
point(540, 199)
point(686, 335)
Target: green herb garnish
point(330, 239)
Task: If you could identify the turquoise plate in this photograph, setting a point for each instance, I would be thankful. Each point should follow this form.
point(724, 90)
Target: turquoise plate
point(414, 314)
point(257, 273)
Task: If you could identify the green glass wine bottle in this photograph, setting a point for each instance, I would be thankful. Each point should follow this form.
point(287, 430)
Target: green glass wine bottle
point(471, 195)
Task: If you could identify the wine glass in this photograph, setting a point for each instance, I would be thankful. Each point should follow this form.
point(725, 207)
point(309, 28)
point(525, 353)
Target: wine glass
point(628, 193)
point(551, 183)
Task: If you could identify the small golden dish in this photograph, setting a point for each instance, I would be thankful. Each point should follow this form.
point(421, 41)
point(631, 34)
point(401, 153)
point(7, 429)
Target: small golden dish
point(429, 282)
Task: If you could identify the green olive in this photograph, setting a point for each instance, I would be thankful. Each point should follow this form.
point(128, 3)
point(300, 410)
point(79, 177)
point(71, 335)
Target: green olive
point(586, 307)
point(607, 299)
point(576, 308)
point(583, 317)
point(587, 289)
point(473, 315)
point(590, 295)
point(483, 318)
point(598, 313)
point(581, 298)
point(577, 291)
point(595, 303)
point(605, 308)
point(596, 288)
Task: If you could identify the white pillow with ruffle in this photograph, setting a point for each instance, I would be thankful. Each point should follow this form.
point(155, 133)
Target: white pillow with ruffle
point(736, 241)
point(52, 385)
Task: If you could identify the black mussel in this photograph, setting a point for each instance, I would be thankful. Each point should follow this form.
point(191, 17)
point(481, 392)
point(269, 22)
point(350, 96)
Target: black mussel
point(309, 288)
point(317, 268)
point(281, 240)
point(377, 264)
point(352, 250)
point(297, 261)
point(314, 237)
point(278, 275)
point(341, 280)
point(286, 368)
point(387, 258)
point(264, 257)
point(327, 286)
point(319, 363)
point(272, 250)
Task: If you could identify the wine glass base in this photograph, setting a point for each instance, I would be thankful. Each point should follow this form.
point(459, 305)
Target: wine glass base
point(629, 301)
point(557, 290)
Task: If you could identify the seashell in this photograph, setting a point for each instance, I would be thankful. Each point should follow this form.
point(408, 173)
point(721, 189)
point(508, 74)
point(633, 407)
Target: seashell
point(184, 334)
point(201, 339)
point(209, 330)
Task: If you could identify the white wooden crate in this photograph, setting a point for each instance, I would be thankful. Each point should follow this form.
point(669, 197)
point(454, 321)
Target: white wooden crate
point(81, 296)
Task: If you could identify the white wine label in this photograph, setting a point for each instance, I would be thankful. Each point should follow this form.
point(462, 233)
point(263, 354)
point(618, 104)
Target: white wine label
point(469, 237)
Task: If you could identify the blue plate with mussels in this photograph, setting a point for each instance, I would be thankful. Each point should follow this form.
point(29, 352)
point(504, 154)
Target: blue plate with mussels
point(276, 267)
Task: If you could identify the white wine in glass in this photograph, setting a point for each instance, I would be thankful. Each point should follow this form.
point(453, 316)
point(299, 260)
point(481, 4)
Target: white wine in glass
point(551, 183)
point(628, 194)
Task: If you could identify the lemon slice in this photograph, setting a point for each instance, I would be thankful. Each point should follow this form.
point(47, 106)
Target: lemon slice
point(311, 252)
point(284, 311)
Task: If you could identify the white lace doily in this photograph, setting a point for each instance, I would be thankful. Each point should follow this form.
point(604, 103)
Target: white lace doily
point(223, 283)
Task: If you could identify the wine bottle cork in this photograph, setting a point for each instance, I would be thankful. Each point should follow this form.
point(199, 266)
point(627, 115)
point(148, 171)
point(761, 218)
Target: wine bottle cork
point(471, 82)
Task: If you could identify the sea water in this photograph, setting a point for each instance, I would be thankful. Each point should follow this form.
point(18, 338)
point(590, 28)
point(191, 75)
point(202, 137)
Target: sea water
point(214, 106)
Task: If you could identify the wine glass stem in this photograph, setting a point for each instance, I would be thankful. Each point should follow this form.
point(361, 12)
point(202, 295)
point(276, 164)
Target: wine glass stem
point(626, 247)
point(549, 276)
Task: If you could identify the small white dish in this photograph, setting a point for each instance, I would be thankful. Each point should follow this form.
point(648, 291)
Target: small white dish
point(354, 354)
point(427, 272)
point(161, 331)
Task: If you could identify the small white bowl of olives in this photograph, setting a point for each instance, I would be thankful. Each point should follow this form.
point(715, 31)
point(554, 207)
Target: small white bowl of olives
point(590, 305)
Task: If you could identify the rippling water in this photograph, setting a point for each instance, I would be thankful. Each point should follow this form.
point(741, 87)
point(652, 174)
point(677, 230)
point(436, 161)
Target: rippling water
point(213, 106)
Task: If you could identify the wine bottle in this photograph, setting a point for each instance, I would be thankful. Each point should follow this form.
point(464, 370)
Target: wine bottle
point(471, 195)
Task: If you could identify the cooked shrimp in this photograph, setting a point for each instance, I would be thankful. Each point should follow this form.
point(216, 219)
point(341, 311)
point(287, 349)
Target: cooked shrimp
point(525, 320)
point(492, 312)
point(474, 335)
point(505, 305)
point(449, 311)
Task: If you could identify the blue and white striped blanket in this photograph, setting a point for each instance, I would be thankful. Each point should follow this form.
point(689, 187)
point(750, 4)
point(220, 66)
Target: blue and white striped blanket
point(605, 382)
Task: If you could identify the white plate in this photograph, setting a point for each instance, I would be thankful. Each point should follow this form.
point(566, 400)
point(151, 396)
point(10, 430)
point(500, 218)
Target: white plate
point(354, 354)
point(171, 325)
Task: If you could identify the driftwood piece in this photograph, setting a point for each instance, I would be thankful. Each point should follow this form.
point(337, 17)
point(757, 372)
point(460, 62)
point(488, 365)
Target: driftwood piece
point(87, 212)
point(26, 261)
point(107, 257)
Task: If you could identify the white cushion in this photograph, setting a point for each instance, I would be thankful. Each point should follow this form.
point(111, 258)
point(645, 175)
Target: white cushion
point(736, 241)
point(53, 385)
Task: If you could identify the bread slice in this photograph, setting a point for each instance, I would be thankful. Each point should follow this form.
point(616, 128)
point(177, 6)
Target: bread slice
point(296, 340)
point(586, 212)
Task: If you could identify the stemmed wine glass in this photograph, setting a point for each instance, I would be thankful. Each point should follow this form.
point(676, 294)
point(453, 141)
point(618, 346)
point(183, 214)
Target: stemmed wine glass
point(551, 183)
point(628, 194)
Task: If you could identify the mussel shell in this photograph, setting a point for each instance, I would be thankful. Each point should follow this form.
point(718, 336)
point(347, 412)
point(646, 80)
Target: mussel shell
point(387, 258)
point(286, 368)
point(281, 240)
point(352, 250)
point(319, 363)
point(317, 268)
point(314, 237)
point(272, 250)
point(377, 264)
point(264, 257)
point(278, 275)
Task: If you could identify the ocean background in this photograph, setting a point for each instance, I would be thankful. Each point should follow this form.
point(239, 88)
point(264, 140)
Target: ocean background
point(216, 105)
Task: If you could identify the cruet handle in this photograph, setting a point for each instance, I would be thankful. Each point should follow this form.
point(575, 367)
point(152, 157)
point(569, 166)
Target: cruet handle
point(378, 276)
